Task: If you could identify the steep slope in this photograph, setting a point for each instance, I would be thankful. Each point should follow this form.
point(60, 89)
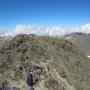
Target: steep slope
point(3, 40)
point(56, 63)
point(81, 41)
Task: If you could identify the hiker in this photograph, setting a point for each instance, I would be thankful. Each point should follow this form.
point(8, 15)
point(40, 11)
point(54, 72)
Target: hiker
point(30, 79)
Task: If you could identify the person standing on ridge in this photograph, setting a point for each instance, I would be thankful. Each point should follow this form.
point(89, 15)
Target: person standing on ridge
point(30, 79)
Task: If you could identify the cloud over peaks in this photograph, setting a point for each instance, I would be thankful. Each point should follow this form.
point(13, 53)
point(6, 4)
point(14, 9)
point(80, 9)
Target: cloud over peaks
point(51, 31)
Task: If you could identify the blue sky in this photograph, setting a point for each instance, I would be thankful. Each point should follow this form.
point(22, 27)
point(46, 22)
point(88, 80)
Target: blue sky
point(43, 13)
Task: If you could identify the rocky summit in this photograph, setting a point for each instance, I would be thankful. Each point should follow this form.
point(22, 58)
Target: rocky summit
point(56, 63)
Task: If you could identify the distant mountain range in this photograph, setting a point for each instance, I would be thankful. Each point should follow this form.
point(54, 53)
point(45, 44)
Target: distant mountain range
point(80, 40)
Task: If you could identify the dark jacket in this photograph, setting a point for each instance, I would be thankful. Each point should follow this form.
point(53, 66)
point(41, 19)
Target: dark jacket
point(30, 79)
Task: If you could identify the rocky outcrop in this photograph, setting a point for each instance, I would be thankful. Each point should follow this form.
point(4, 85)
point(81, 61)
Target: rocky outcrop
point(56, 63)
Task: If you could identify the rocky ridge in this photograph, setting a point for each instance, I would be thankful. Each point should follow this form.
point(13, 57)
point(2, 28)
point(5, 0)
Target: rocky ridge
point(56, 63)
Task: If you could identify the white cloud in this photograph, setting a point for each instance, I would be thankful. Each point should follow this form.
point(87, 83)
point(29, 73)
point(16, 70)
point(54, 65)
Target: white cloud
point(26, 29)
point(85, 28)
point(51, 31)
point(22, 29)
point(56, 31)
